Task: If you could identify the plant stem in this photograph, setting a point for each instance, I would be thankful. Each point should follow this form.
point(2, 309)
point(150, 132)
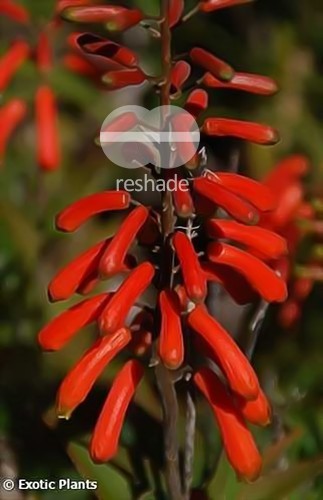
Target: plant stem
point(164, 379)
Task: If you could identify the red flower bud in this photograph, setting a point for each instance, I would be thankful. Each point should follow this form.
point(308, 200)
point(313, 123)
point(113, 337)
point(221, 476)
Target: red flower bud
point(257, 412)
point(80, 380)
point(287, 172)
point(183, 122)
point(115, 314)
point(266, 243)
point(73, 275)
point(197, 102)
point(11, 62)
point(289, 202)
point(249, 131)
point(263, 279)
point(232, 204)
point(171, 344)
point(104, 443)
point(255, 84)
point(236, 285)
point(193, 277)
point(125, 20)
point(11, 115)
point(91, 13)
point(14, 11)
point(211, 63)
point(65, 4)
point(179, 74)
point(119, 79)
point(238, 442)
point(115, 254)
point(176, 8)
point(182, 198)
point(47, 129)
point(78, 64)
point(120, 124)
point(236, 367)
point(212, 5)
point(76, 214)
point(44, 53)
point(254, 192)
point(65, 326)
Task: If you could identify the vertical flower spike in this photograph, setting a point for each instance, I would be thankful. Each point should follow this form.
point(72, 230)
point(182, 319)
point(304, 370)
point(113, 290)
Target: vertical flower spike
point(115, 314)
point(47, 129)
point(237, 369)
point(197, 102)
point(63, 327)
point(76, 214)
point(44, 53)
point(247, 82)
point(79, 381)
point(11, 115)
point(115, 254)
point(105, 439)
point(179, 74)
point(261, 277)
point(211, 63)
point(237, 440)
point(176, 9)
point(257, 412)
point(119, 79)
point(193, 275)
point(11, 62)
point(16, 12)
point(249, 131)
point(212, 5)
point(171, 344)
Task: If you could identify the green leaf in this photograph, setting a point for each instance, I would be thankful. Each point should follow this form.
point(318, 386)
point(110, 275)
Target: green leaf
point(111, 483)
point(279, 484)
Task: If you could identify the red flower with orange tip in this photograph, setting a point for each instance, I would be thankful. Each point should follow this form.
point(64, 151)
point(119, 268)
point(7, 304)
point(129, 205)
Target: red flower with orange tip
point(237, 440)
point(211, 63)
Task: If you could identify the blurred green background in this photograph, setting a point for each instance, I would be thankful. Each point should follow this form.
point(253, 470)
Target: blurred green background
point(280, 38)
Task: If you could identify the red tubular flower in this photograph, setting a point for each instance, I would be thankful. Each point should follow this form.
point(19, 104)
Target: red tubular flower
point(253, 132)
point(254, 192)
point(263, 279)
point(287, 172)
point(11, 62)
point(64, 327)
point(182, 198)
point(76, 214)
point(105, 439)
point(125, 21)
point(102, 53)
point(211, 63)
point(119, 79)
point(194, 280)
point(176, 9)
point(236, 367)
point(47, 131)
point(197, 102)
point(79, 381)
point(64, 4)
point(212, 5)
point(231, 203)
point(183, 122)
point(91, 13)
point(266, 243)
point(116, 311)
point(14, 11)
point(44, 53)
point(78, 64)
point(234, 283)
point(123, 123)
point(179, 74)
point(171, 344)
point(76, 273)
point(257, 412)
point(11, 115)
point(113, 258)
point(238, 442)
point(254, 84)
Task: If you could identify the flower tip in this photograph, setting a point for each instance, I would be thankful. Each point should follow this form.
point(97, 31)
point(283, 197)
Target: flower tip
point(68, 14)
point(64, 413)
point(227, 74)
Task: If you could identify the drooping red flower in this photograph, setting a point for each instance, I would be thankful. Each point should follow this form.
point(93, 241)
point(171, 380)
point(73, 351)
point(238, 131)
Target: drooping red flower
point(171, 344)
point(11, 115)
point(48, 144)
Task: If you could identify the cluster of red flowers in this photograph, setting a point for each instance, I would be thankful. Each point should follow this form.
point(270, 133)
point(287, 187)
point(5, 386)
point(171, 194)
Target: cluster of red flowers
point(13, 112)
point(239, 254)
